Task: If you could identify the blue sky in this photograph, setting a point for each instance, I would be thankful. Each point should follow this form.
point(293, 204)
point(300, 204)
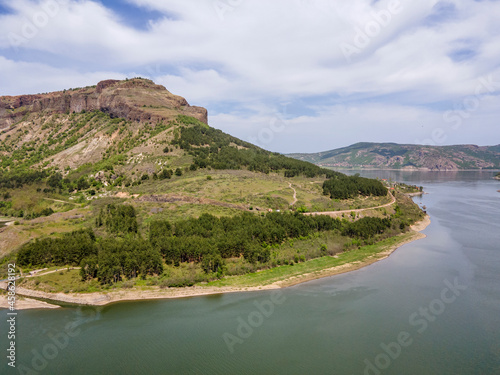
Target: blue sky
point(288, 75)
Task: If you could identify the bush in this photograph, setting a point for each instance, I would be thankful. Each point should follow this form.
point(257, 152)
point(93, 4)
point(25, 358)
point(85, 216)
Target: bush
point(323, 249)
point(128, 284)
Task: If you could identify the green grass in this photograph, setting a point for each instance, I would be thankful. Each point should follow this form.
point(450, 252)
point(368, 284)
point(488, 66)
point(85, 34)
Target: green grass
point(254, 190)
point(273, 275)
point(61, 281)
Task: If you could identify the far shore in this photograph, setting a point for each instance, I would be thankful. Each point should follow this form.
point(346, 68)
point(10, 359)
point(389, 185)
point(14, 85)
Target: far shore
point(135, 294)
point(405, 169)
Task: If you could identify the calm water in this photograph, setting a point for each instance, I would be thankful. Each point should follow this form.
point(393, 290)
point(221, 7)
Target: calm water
point(347, 324)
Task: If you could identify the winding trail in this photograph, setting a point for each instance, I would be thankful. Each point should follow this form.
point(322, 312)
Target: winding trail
point(336, 213)
point(294, 194)
point(60, 201)
point(35, 272)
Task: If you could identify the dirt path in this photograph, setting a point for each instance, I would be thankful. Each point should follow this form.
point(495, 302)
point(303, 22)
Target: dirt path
point(335, 213)
point(31, 274)
point(294, 194)
point(60, 201)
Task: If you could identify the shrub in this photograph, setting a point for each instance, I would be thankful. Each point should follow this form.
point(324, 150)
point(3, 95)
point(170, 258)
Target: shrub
point(323, 249)
point(128, 284)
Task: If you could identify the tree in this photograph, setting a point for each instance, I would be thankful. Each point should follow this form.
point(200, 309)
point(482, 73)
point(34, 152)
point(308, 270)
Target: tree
point(165, 174)
point(213, 263)
point(88, 268)
point(82, 183)
point(55, 181)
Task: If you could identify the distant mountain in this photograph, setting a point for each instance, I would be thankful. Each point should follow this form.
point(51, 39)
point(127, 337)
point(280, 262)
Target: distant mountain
point(397, 156)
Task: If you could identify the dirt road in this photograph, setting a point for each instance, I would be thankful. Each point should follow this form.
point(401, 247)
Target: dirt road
point(336, 213)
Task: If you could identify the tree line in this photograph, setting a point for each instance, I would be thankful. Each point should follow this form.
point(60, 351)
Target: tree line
point(218, 150)
point(208, 240)
point(346, 187)
point(19, 178)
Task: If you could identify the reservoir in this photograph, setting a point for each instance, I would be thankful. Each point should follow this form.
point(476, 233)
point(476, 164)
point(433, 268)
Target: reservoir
point(432, 307)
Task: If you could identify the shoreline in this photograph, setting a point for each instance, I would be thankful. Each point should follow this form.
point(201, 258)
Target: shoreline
point(24, 303)
point(101, 298)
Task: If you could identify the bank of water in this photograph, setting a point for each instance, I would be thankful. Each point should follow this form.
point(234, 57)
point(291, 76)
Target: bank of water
point(432, 307)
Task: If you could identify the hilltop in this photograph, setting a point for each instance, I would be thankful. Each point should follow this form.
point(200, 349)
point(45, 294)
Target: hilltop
point(138, 99)
point(400, 156)
point(69, 128)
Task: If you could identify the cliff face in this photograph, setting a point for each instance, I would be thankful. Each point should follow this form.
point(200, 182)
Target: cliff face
point(136, 100)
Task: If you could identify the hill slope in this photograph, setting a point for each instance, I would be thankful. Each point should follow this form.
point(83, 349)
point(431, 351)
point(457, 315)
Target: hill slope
point(392, 155)
point(128, 138)
point(130, 183)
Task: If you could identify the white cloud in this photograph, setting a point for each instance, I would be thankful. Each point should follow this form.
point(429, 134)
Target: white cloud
point(343, 125)
point(254, 54)
point(33, 78)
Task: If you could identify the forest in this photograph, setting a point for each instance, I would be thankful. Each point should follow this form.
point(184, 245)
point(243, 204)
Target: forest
point(17, 179)
point(122, 253)
point(346, 187)
point(216, 149)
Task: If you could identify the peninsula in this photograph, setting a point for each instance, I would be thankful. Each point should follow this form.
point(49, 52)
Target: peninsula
point(123, 191)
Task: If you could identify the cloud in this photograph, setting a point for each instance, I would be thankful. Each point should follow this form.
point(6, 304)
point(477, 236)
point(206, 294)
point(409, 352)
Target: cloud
point(335, 126)
point(34, 78)
point(242, 59)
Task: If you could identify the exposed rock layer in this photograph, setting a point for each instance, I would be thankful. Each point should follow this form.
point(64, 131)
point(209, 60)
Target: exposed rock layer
point(137, 100)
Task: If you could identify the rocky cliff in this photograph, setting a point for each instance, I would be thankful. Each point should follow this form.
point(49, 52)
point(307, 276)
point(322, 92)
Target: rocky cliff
point(138, 100)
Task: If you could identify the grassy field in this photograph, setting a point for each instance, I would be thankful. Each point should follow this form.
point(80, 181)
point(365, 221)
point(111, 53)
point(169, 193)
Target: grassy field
point(249, 190)
point(63, 280)
point(282, 273)
point(13, 236)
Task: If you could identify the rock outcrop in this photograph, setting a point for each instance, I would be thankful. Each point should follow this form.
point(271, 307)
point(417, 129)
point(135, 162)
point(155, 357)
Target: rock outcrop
point(137, 100)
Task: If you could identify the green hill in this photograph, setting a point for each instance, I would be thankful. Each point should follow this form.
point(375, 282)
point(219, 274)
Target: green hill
point(397, 156)
point(126, 180)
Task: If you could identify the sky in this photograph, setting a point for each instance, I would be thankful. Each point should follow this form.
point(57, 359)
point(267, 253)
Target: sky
point(287, 75)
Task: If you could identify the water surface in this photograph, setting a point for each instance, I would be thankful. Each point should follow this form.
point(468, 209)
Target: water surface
point(336, 325)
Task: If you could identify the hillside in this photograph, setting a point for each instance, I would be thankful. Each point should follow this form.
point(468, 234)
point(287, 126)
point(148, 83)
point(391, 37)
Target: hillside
point(78, 126)
point(64, 154)
point(128, 184)
point(397, 156)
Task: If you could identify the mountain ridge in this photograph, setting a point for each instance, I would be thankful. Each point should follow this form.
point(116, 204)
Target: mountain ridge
point(367, 155)
point(151, 102)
